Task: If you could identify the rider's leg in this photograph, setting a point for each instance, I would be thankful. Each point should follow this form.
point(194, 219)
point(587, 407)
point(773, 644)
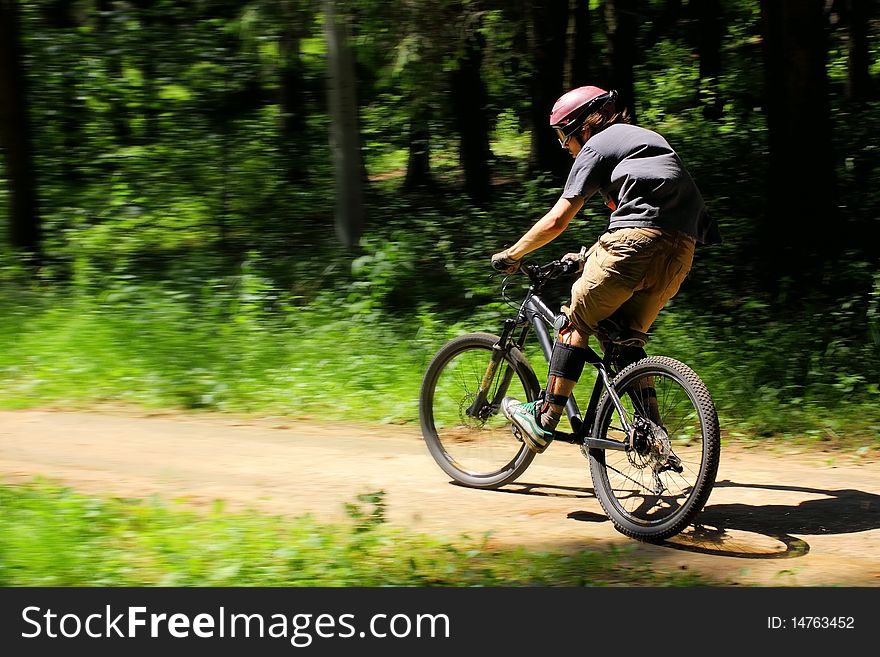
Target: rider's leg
point(598, 292)
point(662, 282)
point(647, 393)
point(537, 420)
point(566, 365)
point(612, 273)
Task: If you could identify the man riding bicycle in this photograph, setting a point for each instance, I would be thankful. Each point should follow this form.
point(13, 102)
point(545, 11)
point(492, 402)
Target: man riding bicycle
point(658, 216)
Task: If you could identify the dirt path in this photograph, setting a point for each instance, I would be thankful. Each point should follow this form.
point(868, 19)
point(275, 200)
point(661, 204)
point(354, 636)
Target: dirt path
point(774, 518)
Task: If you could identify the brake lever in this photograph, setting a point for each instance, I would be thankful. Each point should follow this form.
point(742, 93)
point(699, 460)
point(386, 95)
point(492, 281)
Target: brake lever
point(569, 266)
point(558, 268)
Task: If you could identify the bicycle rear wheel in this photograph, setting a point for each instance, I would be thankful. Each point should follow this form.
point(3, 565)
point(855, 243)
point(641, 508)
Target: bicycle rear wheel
point(655, 489)
point(477, 449)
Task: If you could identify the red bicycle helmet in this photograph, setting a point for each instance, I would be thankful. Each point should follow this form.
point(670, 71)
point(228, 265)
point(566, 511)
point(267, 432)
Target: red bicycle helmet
point(572, 108)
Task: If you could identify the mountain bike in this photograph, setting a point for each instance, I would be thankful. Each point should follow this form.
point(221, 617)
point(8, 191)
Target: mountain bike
point(650, 430)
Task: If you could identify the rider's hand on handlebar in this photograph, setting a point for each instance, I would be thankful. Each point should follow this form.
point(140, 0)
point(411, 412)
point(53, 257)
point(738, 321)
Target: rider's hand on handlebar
point(576, 257)
point(504, 263)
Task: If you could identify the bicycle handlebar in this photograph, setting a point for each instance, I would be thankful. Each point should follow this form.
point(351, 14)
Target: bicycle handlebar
point(554, 269)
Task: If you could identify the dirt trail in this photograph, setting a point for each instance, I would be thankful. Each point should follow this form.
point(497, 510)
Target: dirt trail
point(774, 518)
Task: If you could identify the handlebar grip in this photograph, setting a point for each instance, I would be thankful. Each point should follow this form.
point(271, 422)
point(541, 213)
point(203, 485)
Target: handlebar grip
point(569, 266)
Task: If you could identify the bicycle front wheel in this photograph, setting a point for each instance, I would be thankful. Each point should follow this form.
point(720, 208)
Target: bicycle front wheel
point(661, 482)
point(475, 446)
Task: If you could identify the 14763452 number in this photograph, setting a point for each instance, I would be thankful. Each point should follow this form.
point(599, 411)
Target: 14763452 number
point(822, 622)
point(811, 623)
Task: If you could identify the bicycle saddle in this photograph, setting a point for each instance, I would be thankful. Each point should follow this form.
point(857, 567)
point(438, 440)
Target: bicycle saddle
point(610, 330)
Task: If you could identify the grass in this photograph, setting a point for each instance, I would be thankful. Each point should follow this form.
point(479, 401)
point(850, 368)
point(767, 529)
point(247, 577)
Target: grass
point(51, 536)
point(157, 349)
point(164, 354)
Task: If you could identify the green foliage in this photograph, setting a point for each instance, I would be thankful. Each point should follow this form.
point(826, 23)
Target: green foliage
point(190, 258)
point(770, 379)
point(51, 536)
point(241, 343)
point(370, 518)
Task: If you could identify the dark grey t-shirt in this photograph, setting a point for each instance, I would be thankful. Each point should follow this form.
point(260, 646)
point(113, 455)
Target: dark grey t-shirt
point(643, 181)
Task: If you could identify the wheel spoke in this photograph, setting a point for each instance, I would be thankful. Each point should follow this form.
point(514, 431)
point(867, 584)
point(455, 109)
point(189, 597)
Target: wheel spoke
point(641, 492)
point(479, 450)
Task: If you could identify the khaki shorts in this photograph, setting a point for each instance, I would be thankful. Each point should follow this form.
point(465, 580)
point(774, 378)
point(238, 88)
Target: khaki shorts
point(631, 273)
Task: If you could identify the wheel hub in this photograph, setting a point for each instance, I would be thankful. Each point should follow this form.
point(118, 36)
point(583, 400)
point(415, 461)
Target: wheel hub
point(649, 445)
point(467, 419)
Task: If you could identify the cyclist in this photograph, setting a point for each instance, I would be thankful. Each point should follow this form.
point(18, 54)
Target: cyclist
point(657, 217)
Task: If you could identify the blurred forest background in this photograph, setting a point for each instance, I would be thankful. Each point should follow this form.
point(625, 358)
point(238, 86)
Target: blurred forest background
point(287, 206)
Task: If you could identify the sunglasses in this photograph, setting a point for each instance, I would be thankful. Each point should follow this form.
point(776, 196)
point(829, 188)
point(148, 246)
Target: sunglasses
point(562, 137)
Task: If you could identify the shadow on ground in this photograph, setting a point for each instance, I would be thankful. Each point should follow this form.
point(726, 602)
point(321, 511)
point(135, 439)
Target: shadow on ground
point(762, 531)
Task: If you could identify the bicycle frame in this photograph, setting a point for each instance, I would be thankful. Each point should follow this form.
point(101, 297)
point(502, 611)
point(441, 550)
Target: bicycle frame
point(535, 314)
point(649, 491)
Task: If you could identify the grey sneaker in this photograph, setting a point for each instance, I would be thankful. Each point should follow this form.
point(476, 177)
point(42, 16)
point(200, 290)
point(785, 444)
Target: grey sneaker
point(527, 418)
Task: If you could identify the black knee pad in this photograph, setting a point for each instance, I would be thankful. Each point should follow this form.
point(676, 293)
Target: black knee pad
point(567, 361)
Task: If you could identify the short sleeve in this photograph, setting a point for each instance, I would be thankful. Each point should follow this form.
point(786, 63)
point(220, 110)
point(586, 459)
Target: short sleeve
point(585, 176)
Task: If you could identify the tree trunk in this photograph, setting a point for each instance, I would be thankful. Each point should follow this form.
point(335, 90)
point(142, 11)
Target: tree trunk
point(666, 22)
point(291, 87)
point(418, 165)
point(107, 38)
point(578, 69)
point(620, 21)
point(344, 127)
point(470, 100)
point(15, 136)
point(147, 16)
point(61, 18)
point(709, 38)
point(858, 81)
point(547, 27)
point(800, 234)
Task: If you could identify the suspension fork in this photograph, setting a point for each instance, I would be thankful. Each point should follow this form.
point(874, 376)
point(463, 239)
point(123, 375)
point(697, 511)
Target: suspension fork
point(498, 349)
point(508, 372)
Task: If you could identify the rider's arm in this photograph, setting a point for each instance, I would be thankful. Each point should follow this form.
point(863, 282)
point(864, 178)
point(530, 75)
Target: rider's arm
point(547, 228)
